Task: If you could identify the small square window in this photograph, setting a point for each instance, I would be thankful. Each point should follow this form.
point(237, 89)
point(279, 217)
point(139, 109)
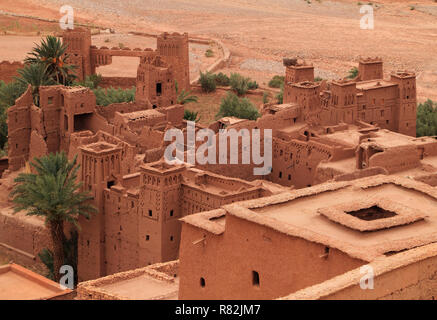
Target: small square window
point(150, 213)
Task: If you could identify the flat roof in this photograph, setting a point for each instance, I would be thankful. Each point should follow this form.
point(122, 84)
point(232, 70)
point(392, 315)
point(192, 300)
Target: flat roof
point(142, 114)
point(298, 213)
point(382, 137)
point(155, 282)
point(18, 283)
point(144, 287)
point(374, 84)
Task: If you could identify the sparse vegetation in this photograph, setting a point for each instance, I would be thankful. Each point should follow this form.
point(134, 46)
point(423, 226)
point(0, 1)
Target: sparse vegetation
point(352, 73)
point(121, 45)
point(191, 115)
point(221, 79)
point(426, 123)
point(276, 81)
point(184, 97)
point(105, 97)
point(232, 106)
point(318, 79)
point(209, 53)
point(241, 84)
point(207, 81)
point(412, 7)
point(91, 81)
point(265, 97)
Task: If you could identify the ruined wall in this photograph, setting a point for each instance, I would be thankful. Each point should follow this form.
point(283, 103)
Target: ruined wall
point(284, 268)
point(8, 70)
point(19, 129)
point(396, 159)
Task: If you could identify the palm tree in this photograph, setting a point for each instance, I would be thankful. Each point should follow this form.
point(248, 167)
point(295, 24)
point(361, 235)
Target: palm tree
point(191, 115)
point(53, 193)
point(36, 75)
point(52, 54)
point(184, 97)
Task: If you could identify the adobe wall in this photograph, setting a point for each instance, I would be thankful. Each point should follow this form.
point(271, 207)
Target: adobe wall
point(4, 164)
point(19, 129)
point(23, 233)
point(174, 48)
point(8, 70)
point(407, 275)
point(118, 82)
point(226, 260)
point(391, 161)
point(108, 112)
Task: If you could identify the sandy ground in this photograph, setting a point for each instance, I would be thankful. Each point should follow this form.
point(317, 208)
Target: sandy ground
point(260, 33)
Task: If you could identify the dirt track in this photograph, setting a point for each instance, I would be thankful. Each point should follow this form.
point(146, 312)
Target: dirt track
point(260, 33)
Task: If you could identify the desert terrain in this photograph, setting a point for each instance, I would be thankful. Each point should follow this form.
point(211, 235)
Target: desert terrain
point(260, 33)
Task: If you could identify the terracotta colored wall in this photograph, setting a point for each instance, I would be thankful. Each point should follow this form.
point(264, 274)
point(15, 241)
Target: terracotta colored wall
point(408, 275)
point(8, 70)
point(118, 82)
point(285, 264)
point(27, 236)
point(174, 48)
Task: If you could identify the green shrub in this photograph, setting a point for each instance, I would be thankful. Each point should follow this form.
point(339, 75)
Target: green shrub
point(209, 53)
point(105, 97)
point(221, 79)
point(426, 123)
point(252, 85)
point(239, 83)
point(352, 73)
point(91, 81)
point(265, 97)
point(318, 79)
point(276, 81)
point(232, 106)
point(207, 81)
point(191, 115)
